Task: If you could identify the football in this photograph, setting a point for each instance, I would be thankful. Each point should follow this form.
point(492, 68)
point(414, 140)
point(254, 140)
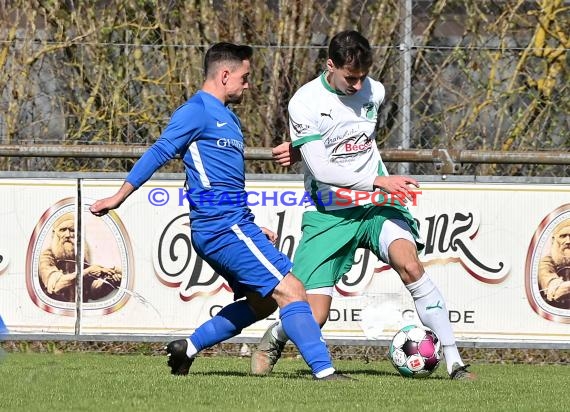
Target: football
point(415, 351)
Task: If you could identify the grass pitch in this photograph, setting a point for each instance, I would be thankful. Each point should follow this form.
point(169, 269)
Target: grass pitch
point(105, 382)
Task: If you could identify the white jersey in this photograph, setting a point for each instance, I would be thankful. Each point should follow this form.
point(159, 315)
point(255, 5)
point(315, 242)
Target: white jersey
point(346, 124)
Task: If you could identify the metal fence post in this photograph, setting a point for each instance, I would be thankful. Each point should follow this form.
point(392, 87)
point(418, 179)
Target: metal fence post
point(405, 79)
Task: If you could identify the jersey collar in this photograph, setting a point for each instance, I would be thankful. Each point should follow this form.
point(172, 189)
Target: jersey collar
point(327, 86)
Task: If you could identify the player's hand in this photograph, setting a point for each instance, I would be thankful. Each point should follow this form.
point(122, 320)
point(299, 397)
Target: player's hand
point(271, 235)
point(397, 185)
point(285, 154)
point(103, 206)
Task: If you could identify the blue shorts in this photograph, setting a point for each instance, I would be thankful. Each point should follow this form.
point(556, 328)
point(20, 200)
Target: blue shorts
point(244, 257)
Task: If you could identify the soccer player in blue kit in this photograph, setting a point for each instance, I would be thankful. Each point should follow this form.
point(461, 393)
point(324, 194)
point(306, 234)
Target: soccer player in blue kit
point(207, 135)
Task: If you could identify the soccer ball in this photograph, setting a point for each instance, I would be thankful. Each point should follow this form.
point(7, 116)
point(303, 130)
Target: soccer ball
point(415, 351)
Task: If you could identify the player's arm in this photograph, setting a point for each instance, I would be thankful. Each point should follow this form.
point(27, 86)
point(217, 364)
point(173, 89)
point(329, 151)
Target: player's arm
point(143, 169)
point(397, 184)
point(184, 125)
point(318, 163)
point(103, 206)
point(306, 137)
point(315, 156)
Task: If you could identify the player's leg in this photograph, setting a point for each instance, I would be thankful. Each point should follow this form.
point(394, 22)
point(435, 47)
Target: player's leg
point(3, 328)
point(230, 321)
point(300, 326)
point(397, 245)
point(320, 300)
point(250, 262)
point(273, 341)
point(227, 323)
point(232, 257)
point(325, 252)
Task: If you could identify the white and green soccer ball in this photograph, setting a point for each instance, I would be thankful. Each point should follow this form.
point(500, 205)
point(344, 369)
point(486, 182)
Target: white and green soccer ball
point(415, 351)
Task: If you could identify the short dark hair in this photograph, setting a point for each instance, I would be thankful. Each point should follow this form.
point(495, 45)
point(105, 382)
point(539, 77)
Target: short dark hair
point(227, 52)
point(350, 48)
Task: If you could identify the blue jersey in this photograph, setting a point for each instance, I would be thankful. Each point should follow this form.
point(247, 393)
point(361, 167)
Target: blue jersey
point(207, 135)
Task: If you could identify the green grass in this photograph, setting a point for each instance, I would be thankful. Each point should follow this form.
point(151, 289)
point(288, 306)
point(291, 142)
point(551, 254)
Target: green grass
point(103, 382)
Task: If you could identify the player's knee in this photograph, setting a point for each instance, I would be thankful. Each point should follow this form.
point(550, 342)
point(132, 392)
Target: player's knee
point(289, 290)
point(296, 290)
point(411, 271)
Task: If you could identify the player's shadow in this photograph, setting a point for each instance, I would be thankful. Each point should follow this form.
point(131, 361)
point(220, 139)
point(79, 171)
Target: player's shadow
point(298, 374)
point(349, 372)
point(282, 375)
point(221, 373)
point(373, 372)
point(304, 374)
point(366, 372)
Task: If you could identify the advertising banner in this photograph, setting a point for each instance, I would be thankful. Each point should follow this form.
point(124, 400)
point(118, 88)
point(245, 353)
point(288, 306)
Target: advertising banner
point(35, 228)
point(499, 253)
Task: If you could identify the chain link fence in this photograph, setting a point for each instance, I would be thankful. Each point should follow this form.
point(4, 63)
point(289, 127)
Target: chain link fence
point(459, 75)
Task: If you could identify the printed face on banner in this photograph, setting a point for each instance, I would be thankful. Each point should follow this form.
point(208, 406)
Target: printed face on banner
point(52, 267)
point(547, 272)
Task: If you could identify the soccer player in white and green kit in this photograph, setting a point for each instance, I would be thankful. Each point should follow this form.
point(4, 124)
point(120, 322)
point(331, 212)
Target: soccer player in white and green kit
point(332, 123)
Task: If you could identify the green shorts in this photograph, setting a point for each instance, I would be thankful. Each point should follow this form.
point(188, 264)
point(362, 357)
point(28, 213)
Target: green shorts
point(330, 239)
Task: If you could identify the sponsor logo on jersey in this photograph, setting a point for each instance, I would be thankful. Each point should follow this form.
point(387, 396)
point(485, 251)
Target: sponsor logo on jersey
point(368, 111)
point(352, 146)
point(223, 142)
point(298, 127)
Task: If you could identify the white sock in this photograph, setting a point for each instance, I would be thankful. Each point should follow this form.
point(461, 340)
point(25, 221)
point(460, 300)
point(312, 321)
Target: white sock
point(278, 333)
point(191, 349)
point(433, 313)
point(451, 355)
point(325, 372)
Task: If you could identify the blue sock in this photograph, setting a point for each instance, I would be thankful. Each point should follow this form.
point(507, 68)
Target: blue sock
point(3, 328)
point(300, 325)
point(228, 323)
